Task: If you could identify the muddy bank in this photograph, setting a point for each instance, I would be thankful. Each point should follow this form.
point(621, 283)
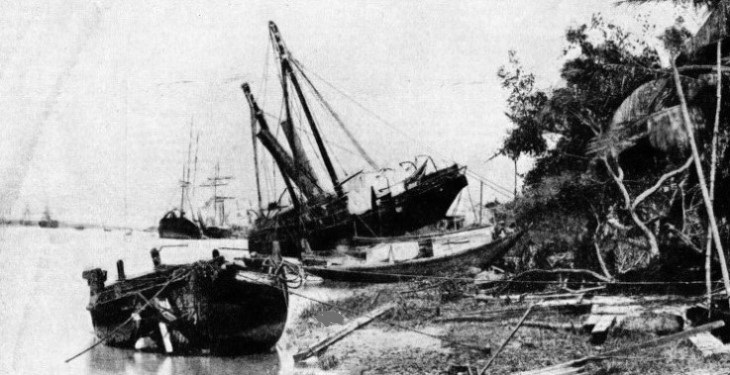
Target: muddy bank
point(414, 339)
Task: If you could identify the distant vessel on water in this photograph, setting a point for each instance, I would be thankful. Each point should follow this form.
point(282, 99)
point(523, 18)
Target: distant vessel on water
point(175, 224)
point(47, 221)
point(217, 225)
point(323, 218)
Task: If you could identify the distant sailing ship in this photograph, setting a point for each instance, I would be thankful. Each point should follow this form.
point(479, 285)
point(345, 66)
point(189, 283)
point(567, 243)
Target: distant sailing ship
point(217, 226)
point(47, 221)
point(323, 218)
point(175, 224)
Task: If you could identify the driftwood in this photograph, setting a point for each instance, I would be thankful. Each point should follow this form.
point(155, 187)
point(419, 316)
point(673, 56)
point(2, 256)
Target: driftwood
point(661, 341)
point(506, 341)
point(349, 328)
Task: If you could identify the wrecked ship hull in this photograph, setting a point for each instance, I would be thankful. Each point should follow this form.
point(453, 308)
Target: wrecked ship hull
point(206, 310)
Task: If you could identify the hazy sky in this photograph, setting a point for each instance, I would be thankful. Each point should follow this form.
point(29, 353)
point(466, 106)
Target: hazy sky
point(97, 97)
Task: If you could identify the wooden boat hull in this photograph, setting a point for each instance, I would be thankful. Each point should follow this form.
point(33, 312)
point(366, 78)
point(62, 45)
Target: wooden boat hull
point(48, 223)
point(215, 311)
point(424, 203)
point(217, 232)
point(179, 228)
point(478, 256)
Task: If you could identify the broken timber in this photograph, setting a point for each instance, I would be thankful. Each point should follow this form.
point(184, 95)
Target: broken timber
point(506, 341)
point(709, 345)
point(349, 328)
point(661, 341)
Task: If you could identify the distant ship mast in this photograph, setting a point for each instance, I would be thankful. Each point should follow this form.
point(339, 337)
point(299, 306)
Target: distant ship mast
point(219, 208)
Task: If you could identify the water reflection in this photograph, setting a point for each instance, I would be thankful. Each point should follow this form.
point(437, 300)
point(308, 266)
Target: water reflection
point(114, 361)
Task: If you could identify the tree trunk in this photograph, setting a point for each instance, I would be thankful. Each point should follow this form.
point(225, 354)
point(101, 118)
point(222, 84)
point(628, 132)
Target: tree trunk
point(689, 127)
point(713, 171)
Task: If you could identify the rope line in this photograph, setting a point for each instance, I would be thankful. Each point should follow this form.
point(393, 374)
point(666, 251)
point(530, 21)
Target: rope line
point(411, 276)
point(495, 186)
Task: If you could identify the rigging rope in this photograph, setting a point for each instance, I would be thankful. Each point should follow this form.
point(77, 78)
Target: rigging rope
point(496, 187)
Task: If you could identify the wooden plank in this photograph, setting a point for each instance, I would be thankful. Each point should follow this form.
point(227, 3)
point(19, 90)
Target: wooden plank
point(591, 321)
point(600, 330)
point(632, 310)
point(709, 345)
point(165, 337)
point(604, 324)
point(346, 330)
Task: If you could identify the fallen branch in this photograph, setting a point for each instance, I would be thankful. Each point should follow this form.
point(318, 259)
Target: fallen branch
point(506, 341)
point(349, 328)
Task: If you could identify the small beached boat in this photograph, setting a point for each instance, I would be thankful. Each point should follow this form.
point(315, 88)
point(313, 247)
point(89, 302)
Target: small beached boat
point(402, 261)
point(207, 307)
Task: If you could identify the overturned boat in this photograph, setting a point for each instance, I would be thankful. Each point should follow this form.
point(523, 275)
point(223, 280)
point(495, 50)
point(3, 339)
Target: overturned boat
point(321, 210)
point(207, 307)
point(404, 260)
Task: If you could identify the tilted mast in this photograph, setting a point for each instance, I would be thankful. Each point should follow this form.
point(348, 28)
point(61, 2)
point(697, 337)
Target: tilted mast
point(295, 144)
point(283, 54)
point(256, 160)
point(288, 168)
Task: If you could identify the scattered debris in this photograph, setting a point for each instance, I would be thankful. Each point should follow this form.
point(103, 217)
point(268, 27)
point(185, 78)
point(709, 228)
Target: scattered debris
point(349, 328)
point(506, 341)
point(629, 349)
point(709, 345)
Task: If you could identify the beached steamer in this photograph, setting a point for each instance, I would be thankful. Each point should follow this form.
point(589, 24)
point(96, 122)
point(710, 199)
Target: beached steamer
point(480, 254)
point(209, 307)
point(321, 217)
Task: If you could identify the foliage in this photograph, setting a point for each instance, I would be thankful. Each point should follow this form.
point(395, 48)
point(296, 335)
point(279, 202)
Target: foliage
point(524, 104)
point(592, 193)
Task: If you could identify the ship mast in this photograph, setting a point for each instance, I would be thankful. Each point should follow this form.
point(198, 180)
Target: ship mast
point(289, 170)
point(215, 182)
point(256, 160)
point(288, 72)
point(295, 143)
point(185, 182)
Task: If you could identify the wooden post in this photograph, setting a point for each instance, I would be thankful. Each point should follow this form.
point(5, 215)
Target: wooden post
point(481, 201)
point(155, 254)
point(165, 337)
point(120, 270)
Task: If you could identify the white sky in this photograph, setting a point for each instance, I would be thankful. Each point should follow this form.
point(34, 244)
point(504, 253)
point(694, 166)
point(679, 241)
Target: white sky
point(97, 97)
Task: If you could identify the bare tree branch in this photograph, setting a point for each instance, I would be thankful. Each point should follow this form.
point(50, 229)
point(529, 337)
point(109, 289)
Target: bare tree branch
point(659, 183)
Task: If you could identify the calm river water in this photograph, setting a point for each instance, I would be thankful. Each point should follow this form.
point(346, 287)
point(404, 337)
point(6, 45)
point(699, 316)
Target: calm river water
point(43, 316)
